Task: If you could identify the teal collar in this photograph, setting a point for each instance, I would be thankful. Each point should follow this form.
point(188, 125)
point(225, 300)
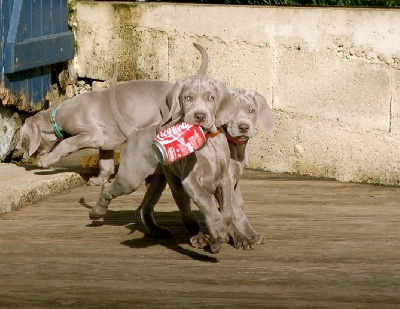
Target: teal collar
point(54, 124)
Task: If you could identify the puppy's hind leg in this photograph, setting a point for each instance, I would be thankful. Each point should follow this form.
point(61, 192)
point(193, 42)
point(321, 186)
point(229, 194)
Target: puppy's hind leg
point(155, 185)
point(198, 239)
point(241, 219)
point(106, 165)
point(137, 162)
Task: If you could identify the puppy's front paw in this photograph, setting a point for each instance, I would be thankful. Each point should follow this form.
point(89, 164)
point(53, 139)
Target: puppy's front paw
point(244, 243)
point(95, 181)
point(259, 239)
point(219, 231)
point(215, 246)
point(240, 240)
point(46, 160)
point(199, 241)
point(97, 212)
point(42, 162)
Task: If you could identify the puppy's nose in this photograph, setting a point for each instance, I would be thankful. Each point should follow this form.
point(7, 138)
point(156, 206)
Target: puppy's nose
point(243, 128)
point(200, 117)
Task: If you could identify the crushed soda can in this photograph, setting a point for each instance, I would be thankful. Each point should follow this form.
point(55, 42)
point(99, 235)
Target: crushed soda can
point(177, 142)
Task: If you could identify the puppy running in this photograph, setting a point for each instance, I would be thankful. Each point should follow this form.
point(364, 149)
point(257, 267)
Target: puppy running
point(199, 100)
point(86, 121)
point(251, 107)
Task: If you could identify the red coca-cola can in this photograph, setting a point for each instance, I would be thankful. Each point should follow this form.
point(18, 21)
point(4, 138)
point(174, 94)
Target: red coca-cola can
point(177, 142)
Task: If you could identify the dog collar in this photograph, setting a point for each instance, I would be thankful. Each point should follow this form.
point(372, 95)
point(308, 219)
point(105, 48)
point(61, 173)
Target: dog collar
point(211, 135)
point(54, 124)
point(235, 140)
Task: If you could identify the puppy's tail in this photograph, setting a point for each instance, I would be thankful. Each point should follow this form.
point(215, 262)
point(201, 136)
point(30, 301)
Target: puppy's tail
point(122, 124)
point(204, 61)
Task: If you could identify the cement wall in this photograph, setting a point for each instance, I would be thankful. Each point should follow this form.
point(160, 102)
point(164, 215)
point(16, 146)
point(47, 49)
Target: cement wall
point(331, 75)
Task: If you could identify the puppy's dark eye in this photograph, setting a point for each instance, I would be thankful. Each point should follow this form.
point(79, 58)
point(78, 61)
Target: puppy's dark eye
point(252, 110)
point(187, 97)
point(211, 98)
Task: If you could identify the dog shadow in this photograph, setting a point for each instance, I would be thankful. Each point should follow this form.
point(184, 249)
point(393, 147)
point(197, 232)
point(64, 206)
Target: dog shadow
point(54, 170)
point(170, 220)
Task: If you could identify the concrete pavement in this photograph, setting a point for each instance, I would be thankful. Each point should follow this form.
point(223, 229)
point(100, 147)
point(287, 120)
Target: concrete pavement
point(24, 184)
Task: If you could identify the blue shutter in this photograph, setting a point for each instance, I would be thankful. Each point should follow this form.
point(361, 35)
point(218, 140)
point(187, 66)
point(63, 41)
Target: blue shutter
point(34, 36)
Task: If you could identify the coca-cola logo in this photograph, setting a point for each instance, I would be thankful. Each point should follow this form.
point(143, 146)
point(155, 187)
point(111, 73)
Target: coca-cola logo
point(171, 154)
point(173, 132)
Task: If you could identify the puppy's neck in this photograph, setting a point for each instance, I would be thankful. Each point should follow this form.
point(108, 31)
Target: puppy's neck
point(238, 151)
point(235, 140)
point(211, 135)
point(214, 131)
point(237, 148)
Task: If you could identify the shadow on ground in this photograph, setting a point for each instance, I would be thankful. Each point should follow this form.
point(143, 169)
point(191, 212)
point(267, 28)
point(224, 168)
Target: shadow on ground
point(170, 220)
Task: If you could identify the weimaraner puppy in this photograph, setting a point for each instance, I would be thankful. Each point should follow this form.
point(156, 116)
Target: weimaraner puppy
point(85, 122)
point(206, 102)
point(201, 174)
point(137, 161)
point(251, 108)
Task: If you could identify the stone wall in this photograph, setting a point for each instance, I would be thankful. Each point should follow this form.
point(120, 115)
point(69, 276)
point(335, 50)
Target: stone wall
point(331, 75)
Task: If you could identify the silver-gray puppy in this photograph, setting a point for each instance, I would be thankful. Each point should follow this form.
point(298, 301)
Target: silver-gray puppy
point(205, 102)
point(86, 121)
point(251, 108)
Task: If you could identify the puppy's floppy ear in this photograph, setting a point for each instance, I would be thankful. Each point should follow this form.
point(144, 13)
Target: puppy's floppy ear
point(265, 115)
point(227, 109)
point(31, 130)
point(174, 106)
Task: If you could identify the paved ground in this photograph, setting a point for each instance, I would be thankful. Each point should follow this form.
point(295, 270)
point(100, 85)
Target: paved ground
point(26, 184)
point(330, 245)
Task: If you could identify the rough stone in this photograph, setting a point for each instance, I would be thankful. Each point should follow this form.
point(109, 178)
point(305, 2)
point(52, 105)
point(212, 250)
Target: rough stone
point(8, 130)
point(333, 88)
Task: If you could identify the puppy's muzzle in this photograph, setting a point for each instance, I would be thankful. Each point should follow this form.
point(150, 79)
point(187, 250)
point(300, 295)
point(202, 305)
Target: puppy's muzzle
point(200, 117)
point(243, 128)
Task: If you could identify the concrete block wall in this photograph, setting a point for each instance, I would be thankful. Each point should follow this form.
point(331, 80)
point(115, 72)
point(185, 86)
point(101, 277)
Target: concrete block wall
point(331, 75)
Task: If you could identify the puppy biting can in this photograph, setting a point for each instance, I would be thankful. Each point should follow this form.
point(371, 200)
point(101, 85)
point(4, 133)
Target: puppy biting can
point(177, 142)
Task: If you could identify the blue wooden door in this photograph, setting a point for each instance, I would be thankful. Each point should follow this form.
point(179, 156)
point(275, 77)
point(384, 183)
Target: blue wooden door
point(34, 35)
